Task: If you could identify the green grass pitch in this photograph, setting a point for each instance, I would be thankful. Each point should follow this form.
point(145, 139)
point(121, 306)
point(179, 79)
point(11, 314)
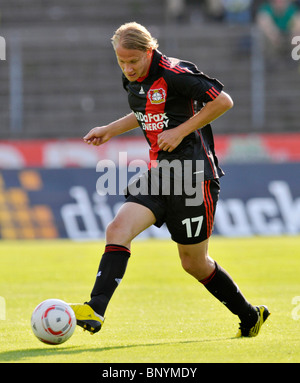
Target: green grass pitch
point(159, 313)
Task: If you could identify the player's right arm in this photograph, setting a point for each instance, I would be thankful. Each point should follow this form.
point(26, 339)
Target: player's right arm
point(101, 134)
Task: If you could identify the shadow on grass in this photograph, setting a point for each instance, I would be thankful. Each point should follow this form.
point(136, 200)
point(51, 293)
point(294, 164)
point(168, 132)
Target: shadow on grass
point(18, 355)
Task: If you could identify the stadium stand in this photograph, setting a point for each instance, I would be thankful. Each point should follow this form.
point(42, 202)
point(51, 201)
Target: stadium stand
point(71, 82)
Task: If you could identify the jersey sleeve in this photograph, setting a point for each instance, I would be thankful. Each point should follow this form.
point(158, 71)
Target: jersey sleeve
point(196, 86)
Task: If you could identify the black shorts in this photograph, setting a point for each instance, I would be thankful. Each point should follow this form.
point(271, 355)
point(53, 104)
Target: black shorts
point(186, 224)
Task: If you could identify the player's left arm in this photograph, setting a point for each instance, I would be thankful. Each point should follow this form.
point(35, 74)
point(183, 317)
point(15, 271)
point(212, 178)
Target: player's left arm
point(168, 140)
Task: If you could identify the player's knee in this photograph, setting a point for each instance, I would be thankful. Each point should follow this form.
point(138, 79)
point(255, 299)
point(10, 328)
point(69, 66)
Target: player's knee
point(187, 267)
point(188, 264)
point(197, 270)
point(117, 233)
point(113, 229)
point(197, 265)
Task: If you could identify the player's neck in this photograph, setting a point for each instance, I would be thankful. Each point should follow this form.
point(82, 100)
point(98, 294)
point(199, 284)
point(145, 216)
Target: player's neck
point(142, 78)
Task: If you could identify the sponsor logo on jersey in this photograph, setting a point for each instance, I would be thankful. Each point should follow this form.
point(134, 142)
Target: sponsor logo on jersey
point(152, 121)
point(157, 96)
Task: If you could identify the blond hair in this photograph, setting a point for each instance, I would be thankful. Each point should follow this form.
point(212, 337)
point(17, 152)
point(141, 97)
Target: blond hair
point(134, 36)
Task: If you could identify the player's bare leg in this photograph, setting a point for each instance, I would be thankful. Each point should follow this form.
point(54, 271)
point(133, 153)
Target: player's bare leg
point(196, 261)
point(131, 220)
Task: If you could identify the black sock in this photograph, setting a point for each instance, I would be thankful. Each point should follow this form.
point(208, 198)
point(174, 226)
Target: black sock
point(110, 273)
point(222, 286)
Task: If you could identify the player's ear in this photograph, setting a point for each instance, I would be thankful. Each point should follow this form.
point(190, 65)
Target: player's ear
point(149, 52)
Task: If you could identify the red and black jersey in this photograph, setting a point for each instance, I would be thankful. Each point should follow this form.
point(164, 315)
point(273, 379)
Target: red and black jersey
point(165, 98)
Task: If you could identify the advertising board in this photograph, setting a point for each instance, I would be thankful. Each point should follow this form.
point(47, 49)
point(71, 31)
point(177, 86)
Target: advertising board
point(255, 199)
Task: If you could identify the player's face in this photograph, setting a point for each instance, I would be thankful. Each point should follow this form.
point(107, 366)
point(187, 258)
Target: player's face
point(134, 63)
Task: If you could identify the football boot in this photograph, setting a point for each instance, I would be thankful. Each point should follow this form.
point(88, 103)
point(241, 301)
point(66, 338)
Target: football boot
point(87, 318)
point(262, 313)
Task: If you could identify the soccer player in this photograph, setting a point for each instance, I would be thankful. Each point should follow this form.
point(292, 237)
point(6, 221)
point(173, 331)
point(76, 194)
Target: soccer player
point(162, 93)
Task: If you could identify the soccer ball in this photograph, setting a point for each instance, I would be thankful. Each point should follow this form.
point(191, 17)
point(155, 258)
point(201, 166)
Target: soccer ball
point(53, 321)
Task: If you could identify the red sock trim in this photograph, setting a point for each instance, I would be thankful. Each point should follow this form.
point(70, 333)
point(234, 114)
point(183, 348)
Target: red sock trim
point(111, 248)
point(206, 280)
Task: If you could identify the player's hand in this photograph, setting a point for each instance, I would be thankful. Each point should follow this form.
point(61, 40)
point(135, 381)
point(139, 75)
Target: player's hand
point(168, 140)
point(97, 136)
